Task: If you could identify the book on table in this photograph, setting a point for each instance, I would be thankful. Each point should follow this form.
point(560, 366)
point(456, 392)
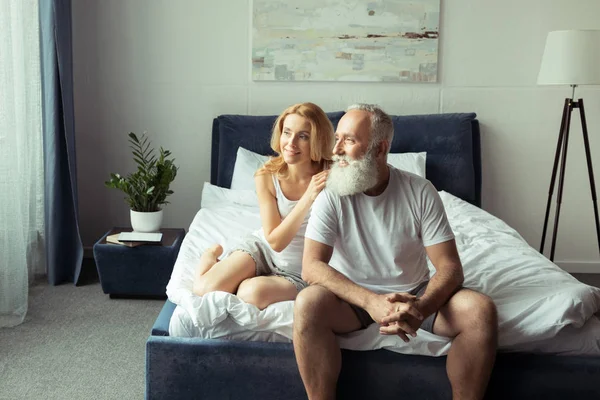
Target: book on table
point(134, 240)
point(114, 239)
point(144, 237)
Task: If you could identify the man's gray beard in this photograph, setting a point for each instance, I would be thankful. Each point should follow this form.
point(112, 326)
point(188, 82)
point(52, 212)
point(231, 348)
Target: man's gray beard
point(356, 177)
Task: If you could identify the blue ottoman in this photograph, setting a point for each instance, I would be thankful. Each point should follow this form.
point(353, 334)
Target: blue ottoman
point(137, 271)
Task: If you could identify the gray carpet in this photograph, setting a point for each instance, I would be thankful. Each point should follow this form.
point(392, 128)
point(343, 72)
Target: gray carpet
point(76, 343)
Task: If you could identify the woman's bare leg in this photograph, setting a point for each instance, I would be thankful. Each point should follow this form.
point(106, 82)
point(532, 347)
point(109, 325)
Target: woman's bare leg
point(265, 290)
point(225, 275)
point(207, 260)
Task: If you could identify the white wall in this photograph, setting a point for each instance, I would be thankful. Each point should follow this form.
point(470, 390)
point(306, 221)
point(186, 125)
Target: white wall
point(170, 67)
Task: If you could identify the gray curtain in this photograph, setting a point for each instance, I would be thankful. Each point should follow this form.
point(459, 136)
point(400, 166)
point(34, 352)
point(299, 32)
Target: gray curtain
point(64, 250)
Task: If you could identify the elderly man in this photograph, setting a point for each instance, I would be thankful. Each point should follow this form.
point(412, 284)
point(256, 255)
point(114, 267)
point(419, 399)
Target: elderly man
point(383, 223)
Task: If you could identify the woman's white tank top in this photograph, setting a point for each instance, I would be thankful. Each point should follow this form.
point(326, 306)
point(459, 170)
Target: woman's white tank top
point(290, 258)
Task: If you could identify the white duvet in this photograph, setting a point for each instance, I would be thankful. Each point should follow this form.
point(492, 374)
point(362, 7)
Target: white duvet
point(541, 308)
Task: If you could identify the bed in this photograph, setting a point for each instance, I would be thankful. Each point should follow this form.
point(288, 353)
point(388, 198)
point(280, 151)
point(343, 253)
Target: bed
point(217, 347)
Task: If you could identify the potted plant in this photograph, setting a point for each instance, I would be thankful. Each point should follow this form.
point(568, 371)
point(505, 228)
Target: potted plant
point(147, 188)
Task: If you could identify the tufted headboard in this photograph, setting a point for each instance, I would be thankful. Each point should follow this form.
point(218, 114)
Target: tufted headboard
point(451, 141)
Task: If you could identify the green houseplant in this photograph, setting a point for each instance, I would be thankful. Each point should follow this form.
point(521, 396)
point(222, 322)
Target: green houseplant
point(146, 189)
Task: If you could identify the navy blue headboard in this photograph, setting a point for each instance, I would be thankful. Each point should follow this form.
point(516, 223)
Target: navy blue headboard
point(452, 143)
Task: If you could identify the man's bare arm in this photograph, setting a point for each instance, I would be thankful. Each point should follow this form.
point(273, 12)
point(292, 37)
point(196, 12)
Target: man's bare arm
point(447, 279)
point(316, 271)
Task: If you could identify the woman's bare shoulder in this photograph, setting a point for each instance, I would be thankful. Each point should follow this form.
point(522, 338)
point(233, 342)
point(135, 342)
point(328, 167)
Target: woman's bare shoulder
point(264, 181)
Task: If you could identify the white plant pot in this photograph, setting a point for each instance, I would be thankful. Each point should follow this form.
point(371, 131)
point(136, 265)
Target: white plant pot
point(146, 221)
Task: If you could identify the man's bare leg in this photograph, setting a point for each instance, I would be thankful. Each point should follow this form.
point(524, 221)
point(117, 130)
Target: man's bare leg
point(471, 318)
point(208, 259)
point(318, 316)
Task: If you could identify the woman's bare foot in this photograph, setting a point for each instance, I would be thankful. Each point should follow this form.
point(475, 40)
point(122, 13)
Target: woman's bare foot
point(215, 250)
point(208, 259)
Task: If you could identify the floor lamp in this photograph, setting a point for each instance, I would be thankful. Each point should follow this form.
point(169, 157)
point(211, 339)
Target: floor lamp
point(570, 58)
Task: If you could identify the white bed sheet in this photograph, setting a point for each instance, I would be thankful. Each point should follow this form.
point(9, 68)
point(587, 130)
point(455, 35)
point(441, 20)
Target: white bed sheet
point(541, 308)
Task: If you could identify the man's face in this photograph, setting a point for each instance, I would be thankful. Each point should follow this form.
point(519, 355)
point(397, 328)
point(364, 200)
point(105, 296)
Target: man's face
point(354, 167)
point(352, 135)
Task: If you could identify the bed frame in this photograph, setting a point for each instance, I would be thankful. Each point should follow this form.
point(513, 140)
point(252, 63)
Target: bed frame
point(184, 368)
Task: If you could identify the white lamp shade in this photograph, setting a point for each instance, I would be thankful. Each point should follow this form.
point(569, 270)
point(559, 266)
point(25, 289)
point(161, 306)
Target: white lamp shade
point(571, 58)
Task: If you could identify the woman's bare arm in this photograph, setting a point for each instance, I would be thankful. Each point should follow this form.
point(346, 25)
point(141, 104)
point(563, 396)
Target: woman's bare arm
point(279, 233)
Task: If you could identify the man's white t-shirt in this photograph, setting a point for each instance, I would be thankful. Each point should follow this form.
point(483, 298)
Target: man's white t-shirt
point(379, 240)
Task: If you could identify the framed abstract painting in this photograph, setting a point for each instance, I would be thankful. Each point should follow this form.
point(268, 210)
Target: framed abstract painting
point(345, 40)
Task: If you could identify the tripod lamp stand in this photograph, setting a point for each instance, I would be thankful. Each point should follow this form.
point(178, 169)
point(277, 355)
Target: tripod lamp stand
point(570, 58)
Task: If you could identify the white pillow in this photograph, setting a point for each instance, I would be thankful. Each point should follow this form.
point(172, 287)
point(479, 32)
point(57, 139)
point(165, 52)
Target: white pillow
point(216, 196)
point(409, 162)
point(246, 164)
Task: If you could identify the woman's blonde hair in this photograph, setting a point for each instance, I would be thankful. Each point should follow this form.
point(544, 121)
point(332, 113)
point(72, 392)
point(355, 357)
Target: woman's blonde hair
point(321, 138)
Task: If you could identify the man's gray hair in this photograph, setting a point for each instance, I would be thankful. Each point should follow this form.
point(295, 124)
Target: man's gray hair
point(382, 127)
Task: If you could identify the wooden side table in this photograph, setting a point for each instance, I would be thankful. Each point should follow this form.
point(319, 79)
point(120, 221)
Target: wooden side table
point(141, 271)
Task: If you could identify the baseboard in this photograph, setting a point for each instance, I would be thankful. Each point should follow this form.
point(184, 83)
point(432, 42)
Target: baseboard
point(88, 251)
point(580, 267)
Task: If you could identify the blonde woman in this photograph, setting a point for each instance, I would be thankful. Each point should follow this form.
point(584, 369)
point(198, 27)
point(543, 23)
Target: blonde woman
point(265, 267)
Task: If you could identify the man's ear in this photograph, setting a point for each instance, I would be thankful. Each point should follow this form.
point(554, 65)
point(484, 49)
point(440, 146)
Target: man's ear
point(382, 149)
